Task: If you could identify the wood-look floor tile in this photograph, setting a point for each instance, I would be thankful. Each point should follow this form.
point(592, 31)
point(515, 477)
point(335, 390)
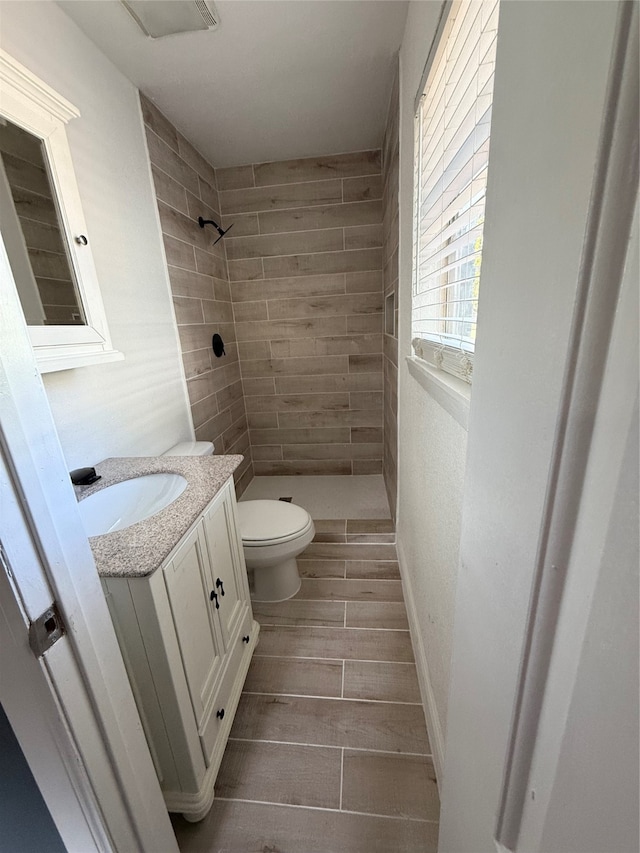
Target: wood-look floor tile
point(293, 612)
point(302, 677)
point(281, 773)
point(350, 723)
point(395, 785)
point(343, 589)
point(237, 827)
point(384, 681)
point(321, 568)
point(370, 525)
point(372, 569)
point(335, 643)
point(377, 614)
point(329, 550)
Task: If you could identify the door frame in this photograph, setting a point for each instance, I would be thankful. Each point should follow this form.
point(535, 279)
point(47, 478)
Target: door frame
point(92, 717)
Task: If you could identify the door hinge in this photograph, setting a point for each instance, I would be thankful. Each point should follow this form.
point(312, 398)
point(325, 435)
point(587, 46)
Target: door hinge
point(46, 630)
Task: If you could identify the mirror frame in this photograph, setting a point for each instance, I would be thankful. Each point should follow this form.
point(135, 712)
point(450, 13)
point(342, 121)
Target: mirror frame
point(34, 106)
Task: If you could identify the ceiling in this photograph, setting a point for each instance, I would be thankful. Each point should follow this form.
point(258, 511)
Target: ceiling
point(279, 79)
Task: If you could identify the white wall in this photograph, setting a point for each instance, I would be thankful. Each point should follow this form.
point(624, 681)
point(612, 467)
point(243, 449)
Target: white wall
point(137, 406)
point(551, 74)
point(431, 443)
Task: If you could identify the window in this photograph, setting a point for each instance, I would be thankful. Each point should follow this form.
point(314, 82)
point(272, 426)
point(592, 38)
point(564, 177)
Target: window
point(452, 125)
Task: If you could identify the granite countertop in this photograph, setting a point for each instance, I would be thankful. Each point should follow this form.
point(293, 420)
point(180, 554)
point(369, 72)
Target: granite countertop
point(140, 549)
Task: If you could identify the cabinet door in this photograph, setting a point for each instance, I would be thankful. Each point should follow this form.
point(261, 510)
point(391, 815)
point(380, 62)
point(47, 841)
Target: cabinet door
point(227, 563)
point(189, 587)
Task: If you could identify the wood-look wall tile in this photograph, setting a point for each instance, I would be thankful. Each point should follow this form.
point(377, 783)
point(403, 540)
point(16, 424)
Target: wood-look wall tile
point(362, 189)
point(297, 402)
point(287, 468)
point(280, 197)
point(259, 385)
point(156, 122)
point(386, 784)
point(244, 224)
point(318, 168)
point(328, 216)
point(188, 310)
point(364, 324)
point(247, 269)
point(194, 158)
point(302, 677)
point(169, 190)
point(367, 466)
point(381, 681)
point(320, 384)
point(369, 363)
point(366, 400)
point(266, 451)
point(364, 435)
point(294, 366)
point(298, 242)
point(266, 435)
point(362, 303)
point(165, 158)
point(249, 350)
point(204, 411)
point(217, 312)
point(196, 363)
point(281, 773)
point(363, 282)
point(363, 237)
point(297, 420)
point(235, 177)
point(221, 290)
point(316, 451)
point(288, 288)
point(190, 284)
point(179, 253)
point(262, 421)
point(323, 262)
point(208, 194)
point(210, 264)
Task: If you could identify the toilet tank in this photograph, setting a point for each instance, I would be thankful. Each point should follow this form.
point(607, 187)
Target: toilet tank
point(190, 448)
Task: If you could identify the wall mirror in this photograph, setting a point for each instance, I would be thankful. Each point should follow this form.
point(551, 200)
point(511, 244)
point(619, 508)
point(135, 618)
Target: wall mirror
point(43, 226)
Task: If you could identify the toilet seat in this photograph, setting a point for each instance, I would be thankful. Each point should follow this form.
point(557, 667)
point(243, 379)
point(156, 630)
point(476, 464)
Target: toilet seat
point(271, 522)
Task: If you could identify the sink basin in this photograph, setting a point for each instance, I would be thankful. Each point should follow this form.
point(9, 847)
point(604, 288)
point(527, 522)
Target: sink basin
point(123, 504)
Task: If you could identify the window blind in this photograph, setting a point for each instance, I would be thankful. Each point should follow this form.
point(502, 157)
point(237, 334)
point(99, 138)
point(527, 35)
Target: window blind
point(451, 156)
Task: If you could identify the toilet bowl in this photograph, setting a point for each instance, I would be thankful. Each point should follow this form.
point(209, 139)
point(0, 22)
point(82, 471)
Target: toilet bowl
point(273, 534)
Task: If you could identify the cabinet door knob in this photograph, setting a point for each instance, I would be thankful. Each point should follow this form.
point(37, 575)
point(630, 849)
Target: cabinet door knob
point(213, 596)
point(220, 714)
point(220, 586)
point(246, 639)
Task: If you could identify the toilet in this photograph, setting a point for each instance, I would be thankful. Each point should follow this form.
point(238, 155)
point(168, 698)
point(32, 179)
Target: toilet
point(273, 534)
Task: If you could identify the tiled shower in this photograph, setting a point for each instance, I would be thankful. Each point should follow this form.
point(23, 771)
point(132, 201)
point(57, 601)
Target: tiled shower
point(297, 290)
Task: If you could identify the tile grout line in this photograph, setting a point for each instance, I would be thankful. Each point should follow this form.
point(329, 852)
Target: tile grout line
point(326, 809)
point(334, 698)
point(341, 776)
point(332, 746)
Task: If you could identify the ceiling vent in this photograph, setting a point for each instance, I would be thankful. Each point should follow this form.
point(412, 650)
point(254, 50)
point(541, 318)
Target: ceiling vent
point(160, 18)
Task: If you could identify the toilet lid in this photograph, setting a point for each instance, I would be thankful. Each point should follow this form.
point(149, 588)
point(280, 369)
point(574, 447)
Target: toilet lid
point(262, 521)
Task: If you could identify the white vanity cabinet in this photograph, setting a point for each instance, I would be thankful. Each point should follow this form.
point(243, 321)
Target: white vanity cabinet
point(187, 635)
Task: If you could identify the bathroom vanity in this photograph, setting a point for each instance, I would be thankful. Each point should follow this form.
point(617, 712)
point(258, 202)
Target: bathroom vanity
point(176, 587)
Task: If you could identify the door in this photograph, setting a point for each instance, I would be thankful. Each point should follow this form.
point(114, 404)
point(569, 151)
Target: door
point(71, 709)
point(193, 599)
point(227, 566)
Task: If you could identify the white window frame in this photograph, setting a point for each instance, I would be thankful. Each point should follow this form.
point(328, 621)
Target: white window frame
point(439, 355)
point(34, 106)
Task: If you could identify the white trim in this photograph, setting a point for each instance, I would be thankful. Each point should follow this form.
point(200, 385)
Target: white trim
point(610, 216)
point(32, 105)
point(450, 392)
point(434, 728)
